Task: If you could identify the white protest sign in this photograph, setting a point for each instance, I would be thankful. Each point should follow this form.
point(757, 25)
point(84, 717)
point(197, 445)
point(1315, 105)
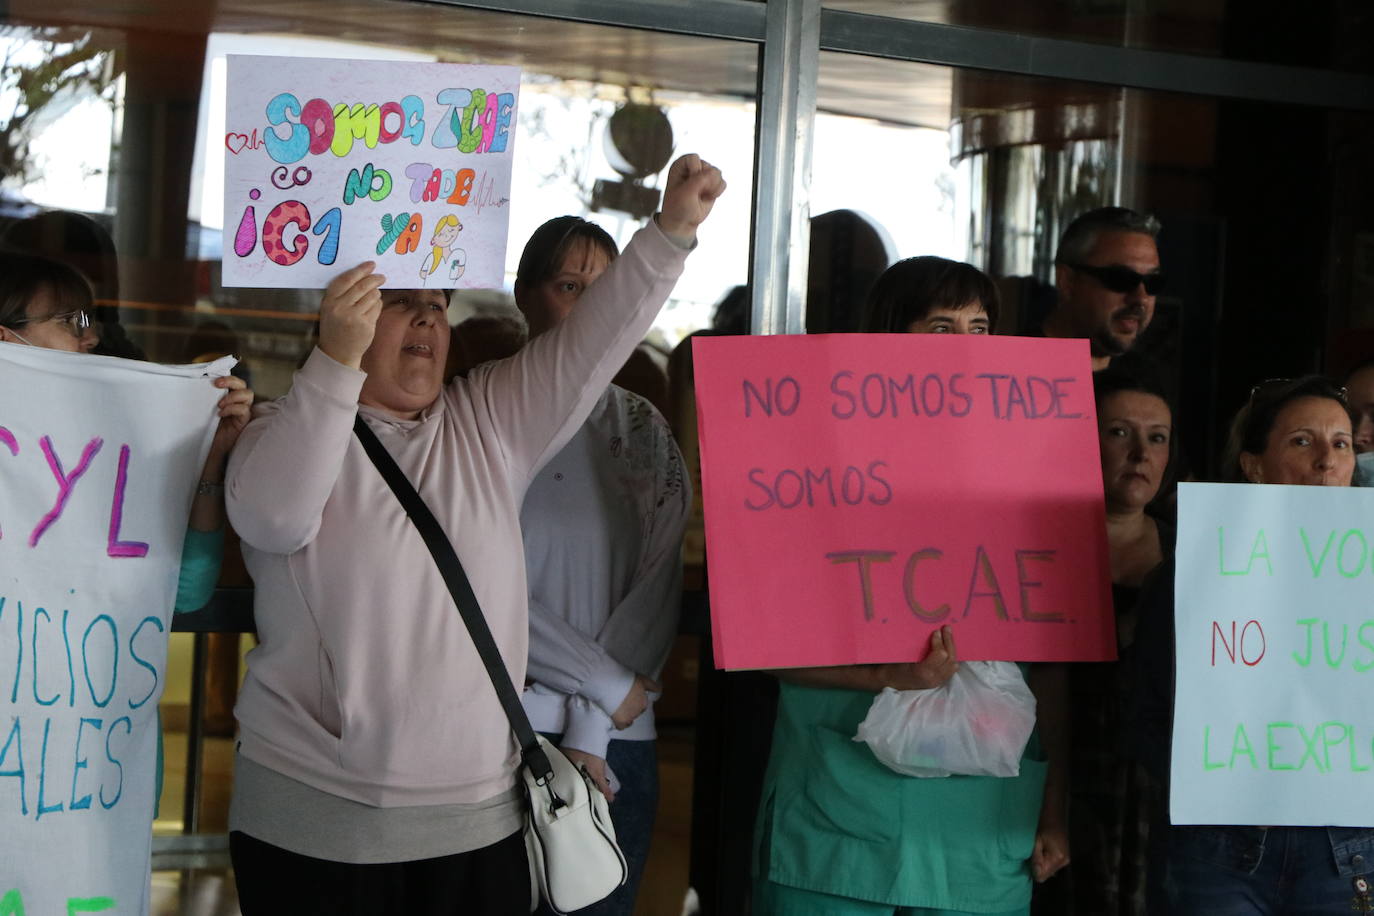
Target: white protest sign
point(1273, 720)
point(329, 163)
point(99, 459)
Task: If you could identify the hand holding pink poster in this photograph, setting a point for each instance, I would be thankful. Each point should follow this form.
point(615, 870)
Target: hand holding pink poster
point(863, 489)
point(329, 163)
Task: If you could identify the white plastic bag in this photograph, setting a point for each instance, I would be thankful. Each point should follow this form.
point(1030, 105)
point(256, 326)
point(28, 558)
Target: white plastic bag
point(976, 724)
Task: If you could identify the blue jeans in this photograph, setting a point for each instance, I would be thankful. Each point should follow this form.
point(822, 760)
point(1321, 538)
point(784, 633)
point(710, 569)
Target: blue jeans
point(1257, 871)
point(635, 764)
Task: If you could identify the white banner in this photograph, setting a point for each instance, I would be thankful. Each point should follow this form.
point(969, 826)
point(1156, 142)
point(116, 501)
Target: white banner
point(329, 163)
point(99, 459)
point(1273, 718)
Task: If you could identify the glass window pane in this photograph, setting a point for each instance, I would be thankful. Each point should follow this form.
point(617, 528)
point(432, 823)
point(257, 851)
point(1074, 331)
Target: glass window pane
point(128, 143)
point(1264, 241)
point(114, 161)
point(1237, 31)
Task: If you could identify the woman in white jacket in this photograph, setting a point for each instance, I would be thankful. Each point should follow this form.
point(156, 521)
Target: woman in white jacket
point(376, 770)
point(602, 524)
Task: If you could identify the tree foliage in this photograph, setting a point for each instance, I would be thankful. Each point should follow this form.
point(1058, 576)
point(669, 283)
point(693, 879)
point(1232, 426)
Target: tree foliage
point(43, 72)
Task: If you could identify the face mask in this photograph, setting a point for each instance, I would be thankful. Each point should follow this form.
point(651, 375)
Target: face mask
point(27, 342)
point(1364, 470)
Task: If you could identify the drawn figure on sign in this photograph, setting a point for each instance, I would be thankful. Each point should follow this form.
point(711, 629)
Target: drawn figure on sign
point(445, 234)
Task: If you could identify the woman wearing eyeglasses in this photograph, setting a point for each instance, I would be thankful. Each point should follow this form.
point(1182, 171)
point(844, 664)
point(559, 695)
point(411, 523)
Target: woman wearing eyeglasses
point(1297, 432)
point(47, 304)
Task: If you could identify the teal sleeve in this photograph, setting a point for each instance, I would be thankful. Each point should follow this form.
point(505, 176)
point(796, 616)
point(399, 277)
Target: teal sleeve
point(201, 553)
point(157, 778)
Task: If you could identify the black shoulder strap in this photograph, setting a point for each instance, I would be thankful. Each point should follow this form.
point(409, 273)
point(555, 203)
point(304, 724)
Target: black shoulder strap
point(451, 569)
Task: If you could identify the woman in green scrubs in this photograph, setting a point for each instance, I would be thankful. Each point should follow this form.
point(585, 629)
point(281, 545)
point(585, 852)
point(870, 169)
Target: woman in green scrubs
point(838, 832)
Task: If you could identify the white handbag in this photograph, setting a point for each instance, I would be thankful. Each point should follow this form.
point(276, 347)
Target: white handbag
point(574, 859)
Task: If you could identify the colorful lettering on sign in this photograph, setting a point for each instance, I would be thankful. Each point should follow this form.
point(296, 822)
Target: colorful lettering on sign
point(246, 238)
point(791, 488)
point(7, 439)
point(12, 904)
point(1259, 550)
point(1292, 746)
point(329, 225)
point(114, 546)
point(1352, 553)
point(374, 184)
point(984, 588)
point(477, 121)
point(65, 484)
point(409, 239)
point(392, 227)
point(429, 183)
point(356, 122)
point(1335, 656)
point(298, 130)
point(285, 215)
point(296, 143)
point(1250, 652)
point(79, 775)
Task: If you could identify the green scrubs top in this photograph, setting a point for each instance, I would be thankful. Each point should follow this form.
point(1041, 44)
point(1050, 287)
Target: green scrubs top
point(833, 819)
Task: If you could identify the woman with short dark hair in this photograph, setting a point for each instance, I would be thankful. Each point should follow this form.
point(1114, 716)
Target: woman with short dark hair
point(932, 295)
point(838, 832)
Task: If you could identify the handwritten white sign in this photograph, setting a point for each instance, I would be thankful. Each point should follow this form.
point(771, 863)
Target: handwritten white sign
point(99, 459)
point(329, 163)
point(1273, 723)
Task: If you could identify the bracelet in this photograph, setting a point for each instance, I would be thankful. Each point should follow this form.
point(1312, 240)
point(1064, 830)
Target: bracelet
point(209, 488)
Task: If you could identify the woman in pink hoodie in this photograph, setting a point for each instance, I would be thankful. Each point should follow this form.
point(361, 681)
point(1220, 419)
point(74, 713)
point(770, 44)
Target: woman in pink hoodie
point(376, 770)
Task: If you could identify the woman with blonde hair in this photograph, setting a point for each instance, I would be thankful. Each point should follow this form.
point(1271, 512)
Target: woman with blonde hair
point(445, 235)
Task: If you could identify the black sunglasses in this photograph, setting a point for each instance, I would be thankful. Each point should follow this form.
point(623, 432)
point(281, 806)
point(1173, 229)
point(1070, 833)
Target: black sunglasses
point(1120, 279)
point(1280, 387)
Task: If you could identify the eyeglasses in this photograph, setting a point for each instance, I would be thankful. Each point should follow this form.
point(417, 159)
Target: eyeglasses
point(77, 321)
point(1279, 387)
point(1120, 279)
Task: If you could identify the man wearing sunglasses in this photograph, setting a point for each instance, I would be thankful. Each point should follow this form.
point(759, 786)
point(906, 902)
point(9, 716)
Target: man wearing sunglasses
point(1106, 276)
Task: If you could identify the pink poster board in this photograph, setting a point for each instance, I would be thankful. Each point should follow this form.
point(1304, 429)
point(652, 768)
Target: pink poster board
point(862, 489)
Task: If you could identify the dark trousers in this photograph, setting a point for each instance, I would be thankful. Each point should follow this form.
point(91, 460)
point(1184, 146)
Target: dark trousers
point(1279, 871)
point(491, 881)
